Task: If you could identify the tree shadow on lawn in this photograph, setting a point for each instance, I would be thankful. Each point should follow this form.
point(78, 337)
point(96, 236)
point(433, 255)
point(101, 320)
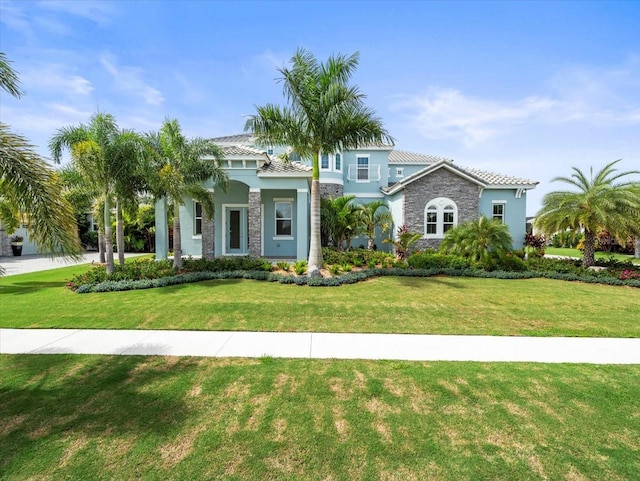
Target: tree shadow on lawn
point(29, 287)
point(446, 281)
point(57, 396)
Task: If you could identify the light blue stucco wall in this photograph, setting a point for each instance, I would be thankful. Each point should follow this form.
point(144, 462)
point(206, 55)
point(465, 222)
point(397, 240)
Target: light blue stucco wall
point(377, 159)
point(191, 243)
point(278, 246)
point(515, 211)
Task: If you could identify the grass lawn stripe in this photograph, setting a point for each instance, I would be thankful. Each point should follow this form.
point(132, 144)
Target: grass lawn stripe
point(439, 305)
point(135, 417)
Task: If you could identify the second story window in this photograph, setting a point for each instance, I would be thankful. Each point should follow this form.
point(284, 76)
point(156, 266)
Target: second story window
point(324, 161)
point(362, 164)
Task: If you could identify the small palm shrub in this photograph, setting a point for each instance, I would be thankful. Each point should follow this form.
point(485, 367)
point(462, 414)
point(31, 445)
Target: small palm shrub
point(300, 267)
point(403, 242)
point(284, 265)
point(347, 267)
point(479, 240)
point(335, 269)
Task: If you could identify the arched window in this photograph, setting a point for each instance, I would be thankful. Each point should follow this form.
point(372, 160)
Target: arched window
point(440, 215)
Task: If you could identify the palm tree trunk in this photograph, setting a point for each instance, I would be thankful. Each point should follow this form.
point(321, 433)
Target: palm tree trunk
point(119, 233)
point(637, 250)
point(101, 247)
point(315, 248)
point(177, 243)
point(370, 243)
point(108, 239)
point(589, 257)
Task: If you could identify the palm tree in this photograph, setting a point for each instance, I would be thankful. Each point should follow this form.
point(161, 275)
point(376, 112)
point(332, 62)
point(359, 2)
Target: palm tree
point(478, 240)
point(339, 220)
point(601, 201)
point(324, 114)
point(104, 156)
point(375, 215)
point(30, 187)
point(180, 171)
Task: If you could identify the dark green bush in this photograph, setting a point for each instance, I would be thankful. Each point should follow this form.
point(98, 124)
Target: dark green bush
point(433, 260)
point(355, 257)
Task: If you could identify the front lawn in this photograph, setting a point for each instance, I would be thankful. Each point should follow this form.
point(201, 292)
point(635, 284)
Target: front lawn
point(135, 417)
point(567, 252)
point(436, 305)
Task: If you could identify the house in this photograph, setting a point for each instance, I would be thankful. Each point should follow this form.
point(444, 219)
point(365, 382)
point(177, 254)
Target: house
point(265, 211)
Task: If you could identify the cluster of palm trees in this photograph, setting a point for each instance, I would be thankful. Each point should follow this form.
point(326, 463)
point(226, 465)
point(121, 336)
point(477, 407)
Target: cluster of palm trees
point(117, 166)
point(342, 220)
point(110, 166)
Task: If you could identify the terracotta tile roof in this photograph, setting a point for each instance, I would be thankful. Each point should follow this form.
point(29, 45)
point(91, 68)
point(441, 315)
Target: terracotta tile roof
point(406, 157)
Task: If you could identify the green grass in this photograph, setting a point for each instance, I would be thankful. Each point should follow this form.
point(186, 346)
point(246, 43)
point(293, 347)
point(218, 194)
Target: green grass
point(439, 305)
point(134, 417)
point(566, 252)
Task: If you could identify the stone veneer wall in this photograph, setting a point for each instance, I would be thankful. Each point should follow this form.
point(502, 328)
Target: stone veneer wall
point(208, 237)
point(441, 183)
point(255, 224)
point(331, 190)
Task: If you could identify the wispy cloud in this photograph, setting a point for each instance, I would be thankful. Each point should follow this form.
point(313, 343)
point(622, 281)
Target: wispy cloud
point(100, 12)
point(56, 79)
point(130, 80)
point(592, 96)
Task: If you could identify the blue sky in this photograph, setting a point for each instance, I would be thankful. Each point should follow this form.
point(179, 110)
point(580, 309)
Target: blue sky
point(520, 88)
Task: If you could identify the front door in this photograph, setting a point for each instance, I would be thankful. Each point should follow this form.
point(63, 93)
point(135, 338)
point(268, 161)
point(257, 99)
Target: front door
point(237, 227)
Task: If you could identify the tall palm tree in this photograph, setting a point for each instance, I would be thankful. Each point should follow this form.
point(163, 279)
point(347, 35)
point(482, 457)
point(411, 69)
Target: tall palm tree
point(605, 200)
point(180, 171)
point(339, 220)
point(29, 186)
point(324, 114)
point(103, 154)
point(478, 239)
point(375, 215)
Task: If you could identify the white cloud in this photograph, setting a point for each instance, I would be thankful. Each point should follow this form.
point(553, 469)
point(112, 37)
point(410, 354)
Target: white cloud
point(56, 78)
point(596, 97)
point(130, 80)
point(16, 19)
point(448, 113)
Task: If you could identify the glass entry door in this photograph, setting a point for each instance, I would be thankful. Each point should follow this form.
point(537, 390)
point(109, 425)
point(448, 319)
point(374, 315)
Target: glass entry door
point(237, 227)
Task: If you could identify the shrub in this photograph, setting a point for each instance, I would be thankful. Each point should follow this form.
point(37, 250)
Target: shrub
point(300, 267)
point(346, 267)
point(284, 265)
point(431, 260)
point(334, 269)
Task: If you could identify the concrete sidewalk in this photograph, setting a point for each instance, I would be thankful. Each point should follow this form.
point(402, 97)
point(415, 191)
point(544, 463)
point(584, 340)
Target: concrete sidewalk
point(41, 262)
point(408, 347)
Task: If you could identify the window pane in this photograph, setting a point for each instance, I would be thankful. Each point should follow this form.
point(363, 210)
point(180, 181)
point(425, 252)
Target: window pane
point(283, 210)
point(338, 162)
point(448, 217)
point(324, 161)
point(198, 227)
point(198, 209)
point(446, 227)
point(283, 227)
point(431, 228)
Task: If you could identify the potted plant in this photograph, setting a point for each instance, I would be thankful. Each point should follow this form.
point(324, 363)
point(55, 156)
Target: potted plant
point(16, 245)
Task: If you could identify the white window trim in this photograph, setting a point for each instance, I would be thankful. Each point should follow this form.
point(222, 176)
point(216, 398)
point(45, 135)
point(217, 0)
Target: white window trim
point(195, 235)
point(335, 169)
point(503, 203)
point(363, 181)
point(399, 172)
point(328, 167)
point(440, 203)
point(275, 218)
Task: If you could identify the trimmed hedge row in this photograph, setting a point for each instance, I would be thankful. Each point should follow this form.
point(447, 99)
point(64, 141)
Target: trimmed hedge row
point(348, 278)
